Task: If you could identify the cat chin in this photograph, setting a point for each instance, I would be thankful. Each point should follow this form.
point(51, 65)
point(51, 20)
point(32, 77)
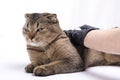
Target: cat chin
point(37, 44)
point(34, 44)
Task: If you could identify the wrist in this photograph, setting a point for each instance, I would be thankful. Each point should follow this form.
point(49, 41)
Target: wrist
point(89, 37)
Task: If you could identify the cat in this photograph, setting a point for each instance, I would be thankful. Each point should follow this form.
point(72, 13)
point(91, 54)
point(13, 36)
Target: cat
point(51, 51)
point(49, 48)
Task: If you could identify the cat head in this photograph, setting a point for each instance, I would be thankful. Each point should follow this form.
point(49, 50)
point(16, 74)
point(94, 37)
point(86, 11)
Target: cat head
point(40, 28)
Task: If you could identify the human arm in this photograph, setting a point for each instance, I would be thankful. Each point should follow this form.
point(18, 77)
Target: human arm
point(101, 40)
point(104, 40)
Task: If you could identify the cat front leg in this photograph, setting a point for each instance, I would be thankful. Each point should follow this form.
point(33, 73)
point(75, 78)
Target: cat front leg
point(55, 67)
point(30, 67)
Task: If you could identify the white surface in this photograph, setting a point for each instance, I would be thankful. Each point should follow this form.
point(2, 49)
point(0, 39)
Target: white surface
point(71, 14)
point(14, 58)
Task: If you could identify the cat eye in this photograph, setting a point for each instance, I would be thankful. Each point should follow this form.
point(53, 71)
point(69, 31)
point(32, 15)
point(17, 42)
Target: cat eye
point(26, 30)
point(40, 29)
point(37, 30)
point(27, 25)
point(37, 25)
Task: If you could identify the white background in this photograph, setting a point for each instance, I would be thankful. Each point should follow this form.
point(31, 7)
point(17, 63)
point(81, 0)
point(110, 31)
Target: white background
point(71, 14)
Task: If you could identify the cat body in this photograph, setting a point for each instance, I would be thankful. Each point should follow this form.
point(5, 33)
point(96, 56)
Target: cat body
point(49, 48)
point(97, 58)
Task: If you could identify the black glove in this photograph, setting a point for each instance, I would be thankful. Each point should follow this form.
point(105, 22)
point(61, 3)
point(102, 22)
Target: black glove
point(77, 36)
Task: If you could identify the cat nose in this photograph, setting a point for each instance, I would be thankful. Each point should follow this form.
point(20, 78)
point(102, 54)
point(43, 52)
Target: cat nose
point(31, 36)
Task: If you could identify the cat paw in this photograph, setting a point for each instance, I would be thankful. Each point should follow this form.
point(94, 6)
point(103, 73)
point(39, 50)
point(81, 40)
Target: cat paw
point(29, 68)
point(41, 71)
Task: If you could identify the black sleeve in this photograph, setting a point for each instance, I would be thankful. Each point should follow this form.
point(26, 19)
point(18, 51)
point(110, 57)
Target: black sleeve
point(77, 36)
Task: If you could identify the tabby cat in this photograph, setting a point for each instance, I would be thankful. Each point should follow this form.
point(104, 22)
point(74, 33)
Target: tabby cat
point(49, 48)
point(51, 51)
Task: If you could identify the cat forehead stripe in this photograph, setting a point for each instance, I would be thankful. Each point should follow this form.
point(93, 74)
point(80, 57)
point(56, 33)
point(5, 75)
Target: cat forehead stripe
point(34, 17)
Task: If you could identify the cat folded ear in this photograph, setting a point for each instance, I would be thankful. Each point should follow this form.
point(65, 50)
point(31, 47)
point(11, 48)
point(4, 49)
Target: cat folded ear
point(27, 15)
point(52, 18)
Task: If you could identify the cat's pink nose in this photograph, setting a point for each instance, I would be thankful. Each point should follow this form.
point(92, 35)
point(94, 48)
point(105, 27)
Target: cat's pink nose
point(31, 36)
